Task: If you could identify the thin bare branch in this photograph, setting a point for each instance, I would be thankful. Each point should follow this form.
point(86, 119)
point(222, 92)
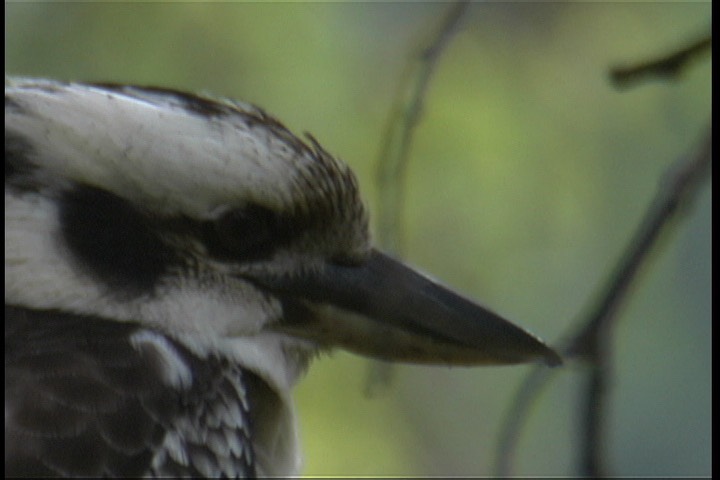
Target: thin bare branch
point(677, 189)
point(395, 150)
point(591, 343)
point(666, 67)
point(395, 146)
point(515, 418)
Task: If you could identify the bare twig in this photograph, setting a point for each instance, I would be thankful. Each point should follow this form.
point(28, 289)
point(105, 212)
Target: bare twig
point(667, 67)
point(592, 342)
point(395, 149)
point(515, 418)
point(678, 187)
point(395, 146)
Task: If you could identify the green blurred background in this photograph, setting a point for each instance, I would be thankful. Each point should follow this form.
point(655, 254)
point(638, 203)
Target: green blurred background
point(528, 174)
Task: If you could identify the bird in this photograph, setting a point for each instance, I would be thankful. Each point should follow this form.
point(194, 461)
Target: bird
point(173, 263)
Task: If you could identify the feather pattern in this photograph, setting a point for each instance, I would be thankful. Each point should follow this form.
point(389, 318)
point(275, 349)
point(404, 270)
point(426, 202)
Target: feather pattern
point(85, 397)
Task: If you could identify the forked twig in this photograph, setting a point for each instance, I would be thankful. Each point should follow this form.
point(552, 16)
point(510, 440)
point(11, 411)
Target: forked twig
point(591, 343)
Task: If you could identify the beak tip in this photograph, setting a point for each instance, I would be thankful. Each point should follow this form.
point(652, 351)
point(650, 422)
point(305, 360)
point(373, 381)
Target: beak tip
point(552, 358)
point(544, 352)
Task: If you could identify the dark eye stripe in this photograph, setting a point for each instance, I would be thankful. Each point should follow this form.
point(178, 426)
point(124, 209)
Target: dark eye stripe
point(126, 250)
point(130, 251)
point(247, 232)
point(250, 233)
point(113, 241)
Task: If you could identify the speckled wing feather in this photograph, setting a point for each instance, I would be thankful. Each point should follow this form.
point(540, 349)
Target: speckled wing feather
point(89, 397)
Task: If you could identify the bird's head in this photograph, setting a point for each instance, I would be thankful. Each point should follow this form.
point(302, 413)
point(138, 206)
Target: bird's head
point(212, 222)
point(210, 218)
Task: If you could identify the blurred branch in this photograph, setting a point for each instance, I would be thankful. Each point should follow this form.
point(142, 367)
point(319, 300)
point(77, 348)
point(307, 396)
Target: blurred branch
point(667, 67)
point(591, 342)
point(515, 418)
point(397, 139)
point(678, 187)
point(395, 149)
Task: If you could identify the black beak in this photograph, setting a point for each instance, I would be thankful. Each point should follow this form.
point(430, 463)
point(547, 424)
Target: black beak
point(384, 309)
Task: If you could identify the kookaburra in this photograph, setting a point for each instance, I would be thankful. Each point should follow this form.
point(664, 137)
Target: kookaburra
point(172, 263)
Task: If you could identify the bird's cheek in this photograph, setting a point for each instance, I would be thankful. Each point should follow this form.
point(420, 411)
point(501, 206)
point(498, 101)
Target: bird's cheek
point(250, 310)
point(232, 308)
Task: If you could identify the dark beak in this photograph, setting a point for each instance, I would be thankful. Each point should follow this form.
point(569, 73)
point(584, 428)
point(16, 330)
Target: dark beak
point(384, 309)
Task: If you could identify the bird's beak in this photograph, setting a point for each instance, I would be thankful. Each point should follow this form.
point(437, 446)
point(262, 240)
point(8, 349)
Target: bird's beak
point(384, 309)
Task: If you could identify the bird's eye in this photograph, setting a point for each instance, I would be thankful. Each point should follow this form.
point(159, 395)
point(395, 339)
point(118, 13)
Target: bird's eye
point(246, 233)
